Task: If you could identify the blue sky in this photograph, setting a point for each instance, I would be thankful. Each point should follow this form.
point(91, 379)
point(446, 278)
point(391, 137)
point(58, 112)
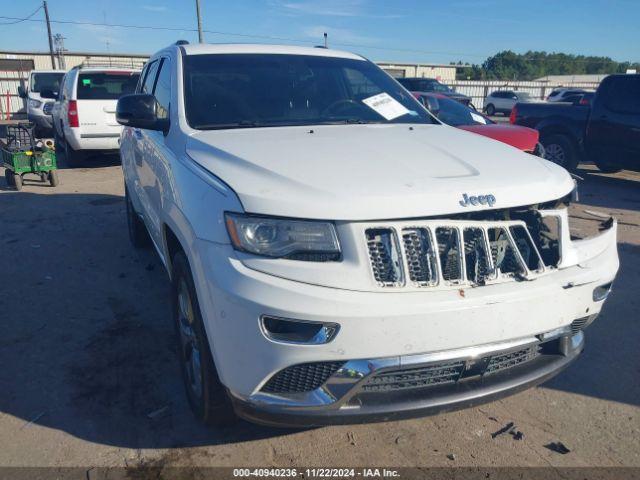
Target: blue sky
point(436, 31)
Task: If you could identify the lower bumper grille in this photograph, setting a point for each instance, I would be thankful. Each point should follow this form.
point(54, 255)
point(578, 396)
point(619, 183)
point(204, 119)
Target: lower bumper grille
point(301, 378)
point(449, 372)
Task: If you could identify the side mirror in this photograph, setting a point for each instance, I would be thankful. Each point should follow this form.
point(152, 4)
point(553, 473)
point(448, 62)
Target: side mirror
point(140, 110)
point(48, 93)
point(22, 92)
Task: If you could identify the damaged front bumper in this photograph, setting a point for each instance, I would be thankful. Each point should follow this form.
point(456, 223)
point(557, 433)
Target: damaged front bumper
point(415, 385)
point(449, 334)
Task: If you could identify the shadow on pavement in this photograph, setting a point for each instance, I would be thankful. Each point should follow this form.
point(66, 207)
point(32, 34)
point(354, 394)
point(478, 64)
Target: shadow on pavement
point(86, 339)
point(596, 190)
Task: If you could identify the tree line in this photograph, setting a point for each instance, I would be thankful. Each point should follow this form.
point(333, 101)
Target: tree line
point(508, 65)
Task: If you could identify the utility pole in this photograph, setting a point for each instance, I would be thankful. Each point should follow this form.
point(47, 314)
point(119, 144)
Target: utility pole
point(46, 15)
point(200, 36)
point(58, 40)
point(326, 44)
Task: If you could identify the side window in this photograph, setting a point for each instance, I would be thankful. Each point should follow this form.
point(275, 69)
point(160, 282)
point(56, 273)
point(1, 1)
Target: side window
point(162, 91)
point(623, 95)
point(143, 74)
point(149, 80)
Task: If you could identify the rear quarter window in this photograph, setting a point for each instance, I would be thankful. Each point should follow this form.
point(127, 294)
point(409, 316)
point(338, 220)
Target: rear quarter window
point(622, 94)
point(106, 85)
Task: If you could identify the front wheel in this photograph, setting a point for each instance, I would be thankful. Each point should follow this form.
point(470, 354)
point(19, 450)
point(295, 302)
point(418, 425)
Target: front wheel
point(559, 149)
point(491, 110)
point(206, 394)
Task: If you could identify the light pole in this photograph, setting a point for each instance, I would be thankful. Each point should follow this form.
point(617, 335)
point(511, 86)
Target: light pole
point(200, 36)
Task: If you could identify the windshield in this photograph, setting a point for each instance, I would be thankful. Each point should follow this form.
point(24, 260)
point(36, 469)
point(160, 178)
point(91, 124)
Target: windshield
point(454, 113)
point(46, 81)
point(523, 95)
point(106, 85)
point(258, 90)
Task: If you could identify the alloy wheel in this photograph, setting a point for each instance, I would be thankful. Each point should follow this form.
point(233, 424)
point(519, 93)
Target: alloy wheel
point(554, 153)
point(191, 356)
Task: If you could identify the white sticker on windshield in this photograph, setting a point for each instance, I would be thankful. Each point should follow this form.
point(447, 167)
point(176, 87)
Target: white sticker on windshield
point(386, 105)
point(478, 118)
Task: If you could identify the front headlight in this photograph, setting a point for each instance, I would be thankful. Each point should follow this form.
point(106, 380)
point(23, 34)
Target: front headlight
point(283, 238)
point(34, 103)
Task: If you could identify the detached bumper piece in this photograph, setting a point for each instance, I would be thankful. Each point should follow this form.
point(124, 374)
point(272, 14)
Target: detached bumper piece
point(325, 393)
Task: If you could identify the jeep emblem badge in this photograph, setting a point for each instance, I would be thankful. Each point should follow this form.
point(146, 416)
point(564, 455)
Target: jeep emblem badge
point(477, 200)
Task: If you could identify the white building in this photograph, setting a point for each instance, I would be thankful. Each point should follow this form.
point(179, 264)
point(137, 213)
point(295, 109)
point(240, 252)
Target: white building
point(441, 72)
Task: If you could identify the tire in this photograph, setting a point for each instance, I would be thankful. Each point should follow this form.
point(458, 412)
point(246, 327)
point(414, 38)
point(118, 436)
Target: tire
point(598, 157)
point(8, 176)
point(17, 181)
point(74, 158)
point(53, 178)
point(491, 110)
point(605, 167)
point(138, 234)
point(58, 145)
point(207, 396)
point(560, 150)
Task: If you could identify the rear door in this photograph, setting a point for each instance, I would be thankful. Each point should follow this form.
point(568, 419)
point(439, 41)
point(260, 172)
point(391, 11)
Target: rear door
point(97, 94)
point(613, 131)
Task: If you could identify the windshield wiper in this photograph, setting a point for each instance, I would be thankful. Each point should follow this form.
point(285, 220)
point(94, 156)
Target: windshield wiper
point(224, 126)
point(349, 121)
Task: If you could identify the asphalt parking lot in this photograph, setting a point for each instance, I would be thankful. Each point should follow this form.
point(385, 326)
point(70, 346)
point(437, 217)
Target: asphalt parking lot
point(89, 373)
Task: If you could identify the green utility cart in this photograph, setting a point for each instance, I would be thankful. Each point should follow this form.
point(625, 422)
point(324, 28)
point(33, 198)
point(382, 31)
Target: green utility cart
point(21, 155)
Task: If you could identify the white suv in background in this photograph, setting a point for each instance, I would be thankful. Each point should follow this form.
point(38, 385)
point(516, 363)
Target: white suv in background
point(84, 114)
point(502, 101)
point(339, 255)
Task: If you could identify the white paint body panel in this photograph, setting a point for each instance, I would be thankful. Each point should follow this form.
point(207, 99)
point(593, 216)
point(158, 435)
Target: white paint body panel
point(355, 175)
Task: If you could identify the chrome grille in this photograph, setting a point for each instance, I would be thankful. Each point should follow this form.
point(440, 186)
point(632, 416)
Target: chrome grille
point(385, 256)
point(421, 260)
point(511, 359)
point(458, 252)
point(450, 372)
point(478, 266)
point(502, 252)
point(403, 379)
point(449, 251)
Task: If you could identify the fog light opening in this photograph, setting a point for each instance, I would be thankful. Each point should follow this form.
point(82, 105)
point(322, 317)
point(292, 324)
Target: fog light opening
point(602, 292)
point(298, 331)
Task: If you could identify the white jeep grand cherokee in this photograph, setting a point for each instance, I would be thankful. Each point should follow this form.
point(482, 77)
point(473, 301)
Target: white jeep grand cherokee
point(339, 255)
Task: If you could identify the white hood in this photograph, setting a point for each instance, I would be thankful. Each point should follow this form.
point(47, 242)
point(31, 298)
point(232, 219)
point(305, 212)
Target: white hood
point(370, 172)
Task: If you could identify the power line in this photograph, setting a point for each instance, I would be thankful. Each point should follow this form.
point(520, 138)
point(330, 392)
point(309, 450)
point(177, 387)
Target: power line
point(18, 20)
point(305, 41)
